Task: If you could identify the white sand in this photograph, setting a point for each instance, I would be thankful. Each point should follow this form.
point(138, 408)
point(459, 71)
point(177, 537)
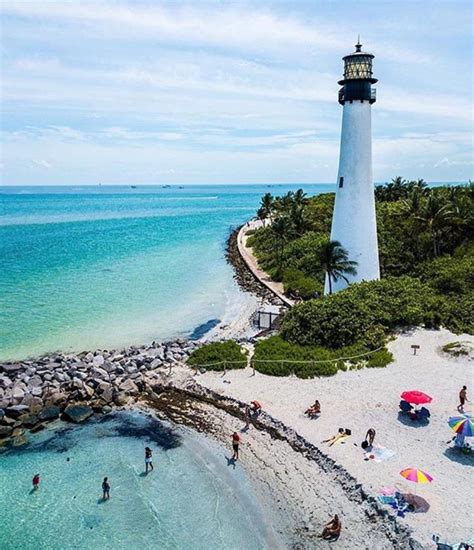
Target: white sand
point(369, 398)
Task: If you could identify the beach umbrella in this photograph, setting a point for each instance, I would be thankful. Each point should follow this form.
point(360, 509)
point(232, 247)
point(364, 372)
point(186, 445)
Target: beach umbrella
point(462, 425)
point(415, 475)
point(416, 397)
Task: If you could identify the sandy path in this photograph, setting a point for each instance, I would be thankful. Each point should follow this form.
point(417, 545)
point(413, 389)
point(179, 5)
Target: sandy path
point(369, 398)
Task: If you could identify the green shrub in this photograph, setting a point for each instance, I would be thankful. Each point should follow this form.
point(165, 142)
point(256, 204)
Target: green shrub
point(296, 283)
point(459, 313)
point(226, 354)
point(380, 358)
point(276, 357)
point(362, 312)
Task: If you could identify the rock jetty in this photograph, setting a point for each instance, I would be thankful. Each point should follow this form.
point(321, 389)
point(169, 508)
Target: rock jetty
point(75, 386)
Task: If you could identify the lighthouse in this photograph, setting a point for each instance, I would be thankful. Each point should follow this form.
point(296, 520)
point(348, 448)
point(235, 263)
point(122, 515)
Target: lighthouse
point(354, 224)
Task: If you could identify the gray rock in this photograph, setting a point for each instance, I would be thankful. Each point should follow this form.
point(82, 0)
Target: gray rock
point(38, 427)
point(35, 381)
point(11, 368)
point(28, 420)
point(121, 399)
point(32, 402)
point(5, 431)
point(108, 395)
point(77, 413)
point(98, 360)
point(16, 411)
point(5, 382)
point(37, 392)
point(49, 413)
point(129, 387)
point(99, 373)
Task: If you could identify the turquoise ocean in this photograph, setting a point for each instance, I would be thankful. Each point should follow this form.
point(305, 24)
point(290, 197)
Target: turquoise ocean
point(108, 266)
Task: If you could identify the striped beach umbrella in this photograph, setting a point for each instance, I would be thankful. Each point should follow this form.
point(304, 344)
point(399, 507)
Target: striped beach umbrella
point(462, 425)
point(415, 475)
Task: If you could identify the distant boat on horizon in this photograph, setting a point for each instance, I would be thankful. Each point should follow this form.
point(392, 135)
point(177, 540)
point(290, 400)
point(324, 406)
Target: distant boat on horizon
point(133, 186)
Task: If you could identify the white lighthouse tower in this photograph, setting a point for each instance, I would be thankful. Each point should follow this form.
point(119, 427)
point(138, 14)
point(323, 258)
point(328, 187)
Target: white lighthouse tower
point(353, 223)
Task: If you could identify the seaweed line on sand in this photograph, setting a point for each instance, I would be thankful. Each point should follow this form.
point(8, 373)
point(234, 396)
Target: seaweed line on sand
point(179, 404)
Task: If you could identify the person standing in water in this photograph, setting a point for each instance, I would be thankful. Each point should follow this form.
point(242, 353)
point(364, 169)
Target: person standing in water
point(36, 481)
point(235, 445)
point(148, 459)
point(105, 489)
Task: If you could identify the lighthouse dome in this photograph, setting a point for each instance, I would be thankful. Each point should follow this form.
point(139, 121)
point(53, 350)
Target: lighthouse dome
point(358, 65)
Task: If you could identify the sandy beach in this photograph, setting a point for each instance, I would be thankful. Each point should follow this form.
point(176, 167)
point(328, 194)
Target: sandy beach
point(369, 398)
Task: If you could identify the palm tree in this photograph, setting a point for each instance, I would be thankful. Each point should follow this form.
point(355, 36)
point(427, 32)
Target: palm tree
point(334, 261)
point(435, 216)
point(267, 206)
point(281, 229)
point(300, 198)
point(298, 219)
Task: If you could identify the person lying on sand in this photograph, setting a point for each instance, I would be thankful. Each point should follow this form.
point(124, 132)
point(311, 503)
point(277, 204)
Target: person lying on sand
point(332, 528)
point(314, 409)
point(341, 436)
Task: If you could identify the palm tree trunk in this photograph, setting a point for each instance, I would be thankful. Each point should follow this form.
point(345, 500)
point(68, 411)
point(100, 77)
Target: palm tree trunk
point(330, 282)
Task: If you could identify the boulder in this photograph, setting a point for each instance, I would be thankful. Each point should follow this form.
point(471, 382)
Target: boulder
point(5, 431)
point(37, 392)
point(49, 413)
point(77, 413)
point(19, 441)
point(38, 428)
point(98, 360)
point(35, 381)
point(5, 382)
point(99, 373)
point(108, 394)
point(121, 399)
point(16, 411)
point(129, 387)
point(88, 391)
point(34, 403)
point(28, 420)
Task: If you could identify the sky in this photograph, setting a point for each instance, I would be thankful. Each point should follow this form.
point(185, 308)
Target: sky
point(117, 92)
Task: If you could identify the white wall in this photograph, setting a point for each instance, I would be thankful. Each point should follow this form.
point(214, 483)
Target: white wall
point(354, 223)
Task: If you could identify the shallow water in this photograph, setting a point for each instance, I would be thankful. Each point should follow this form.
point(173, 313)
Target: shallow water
point(102, 267)
point(192, 499)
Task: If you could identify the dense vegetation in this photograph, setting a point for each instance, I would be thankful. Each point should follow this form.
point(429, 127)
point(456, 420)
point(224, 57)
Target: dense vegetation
point(426, 258)
point(278, 357)
point(219, 356)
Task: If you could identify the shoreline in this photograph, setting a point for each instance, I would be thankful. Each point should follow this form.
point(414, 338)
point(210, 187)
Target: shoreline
point(293, 477)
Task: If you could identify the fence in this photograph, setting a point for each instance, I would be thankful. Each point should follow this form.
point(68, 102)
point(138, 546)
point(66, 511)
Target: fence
point(252, 361)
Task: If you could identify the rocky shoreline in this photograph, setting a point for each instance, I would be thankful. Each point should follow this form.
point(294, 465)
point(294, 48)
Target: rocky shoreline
point(74, 386)
point(242, 274)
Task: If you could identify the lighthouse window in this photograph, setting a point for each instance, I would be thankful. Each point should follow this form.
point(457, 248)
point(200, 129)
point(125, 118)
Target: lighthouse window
point(341, 182)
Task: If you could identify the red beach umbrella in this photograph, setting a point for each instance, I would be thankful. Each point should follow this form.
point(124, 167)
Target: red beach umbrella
point(416, 397)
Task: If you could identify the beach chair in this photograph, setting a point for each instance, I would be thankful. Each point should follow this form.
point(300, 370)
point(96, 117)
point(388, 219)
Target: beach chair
point(405, 406)
point(423, 414)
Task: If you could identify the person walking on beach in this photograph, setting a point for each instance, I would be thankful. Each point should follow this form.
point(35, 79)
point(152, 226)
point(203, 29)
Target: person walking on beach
point(235, 445)
point(462, 399)
point(105, 489)
point(148, 459)
point(36, 481)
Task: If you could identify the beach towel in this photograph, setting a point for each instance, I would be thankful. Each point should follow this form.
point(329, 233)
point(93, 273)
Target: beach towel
point(386, 499)
point(379, 454)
